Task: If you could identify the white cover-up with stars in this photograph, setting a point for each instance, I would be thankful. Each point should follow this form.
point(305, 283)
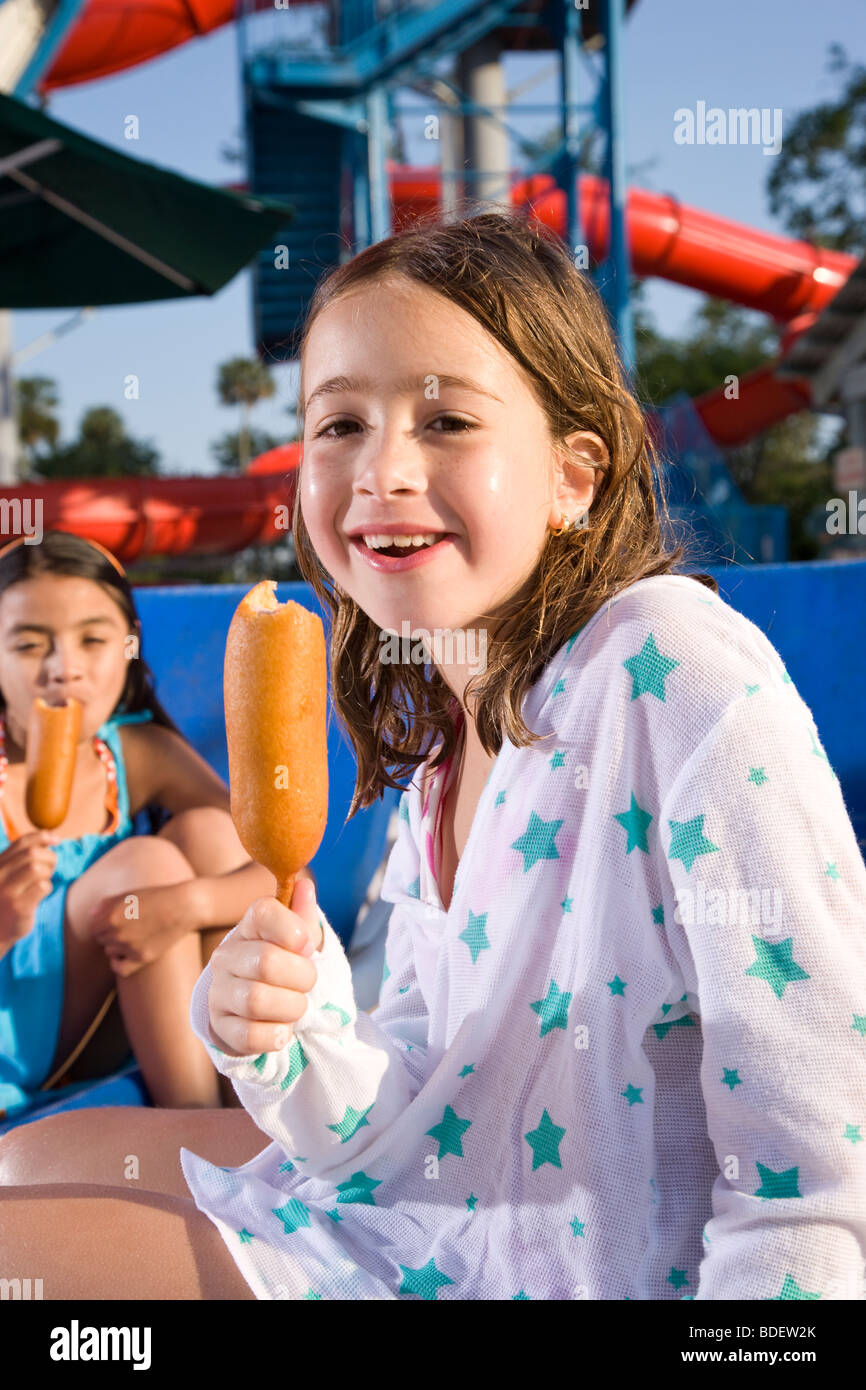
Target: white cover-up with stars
point(629, 1062)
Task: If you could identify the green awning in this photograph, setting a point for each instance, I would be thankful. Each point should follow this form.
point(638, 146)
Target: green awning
point(82, 224)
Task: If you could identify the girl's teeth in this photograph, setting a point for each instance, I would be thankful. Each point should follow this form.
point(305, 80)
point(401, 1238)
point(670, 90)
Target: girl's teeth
point(382, 542)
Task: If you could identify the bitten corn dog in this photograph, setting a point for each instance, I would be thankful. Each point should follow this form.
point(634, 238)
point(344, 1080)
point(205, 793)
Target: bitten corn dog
point(275, 691)
point(52, 747)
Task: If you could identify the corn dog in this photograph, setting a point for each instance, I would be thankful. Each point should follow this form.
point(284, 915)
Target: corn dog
point(275, 691)
point(52, 747)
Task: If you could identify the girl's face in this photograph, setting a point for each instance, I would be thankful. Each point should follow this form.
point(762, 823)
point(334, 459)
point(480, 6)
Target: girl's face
point(61, 635)
point(415, 417)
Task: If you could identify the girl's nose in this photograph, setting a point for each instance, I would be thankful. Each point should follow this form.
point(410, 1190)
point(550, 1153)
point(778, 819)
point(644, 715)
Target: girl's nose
point(391, 463)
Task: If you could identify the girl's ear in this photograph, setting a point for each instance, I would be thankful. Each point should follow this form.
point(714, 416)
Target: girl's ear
point(576, 475)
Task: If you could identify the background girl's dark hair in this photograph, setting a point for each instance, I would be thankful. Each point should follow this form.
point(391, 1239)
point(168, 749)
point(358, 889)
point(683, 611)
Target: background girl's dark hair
point(516, 278)
point(60, 552)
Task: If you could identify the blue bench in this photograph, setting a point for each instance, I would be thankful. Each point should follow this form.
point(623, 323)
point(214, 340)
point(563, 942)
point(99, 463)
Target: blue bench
point(814, 614)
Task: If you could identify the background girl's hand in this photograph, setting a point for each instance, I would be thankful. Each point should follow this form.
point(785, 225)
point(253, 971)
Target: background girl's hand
point(138, 927)
point(261, 974)
point(26, 870)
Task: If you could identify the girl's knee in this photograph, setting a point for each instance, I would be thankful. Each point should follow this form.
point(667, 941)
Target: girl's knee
point(210, 822)
point(157, 860)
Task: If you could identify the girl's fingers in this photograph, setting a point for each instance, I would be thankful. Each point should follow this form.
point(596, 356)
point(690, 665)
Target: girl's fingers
point(267, 962)
point(246, 1039)
point(258, 1002)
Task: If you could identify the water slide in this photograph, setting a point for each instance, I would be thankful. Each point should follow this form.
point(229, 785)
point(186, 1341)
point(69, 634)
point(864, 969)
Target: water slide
point(790, 280)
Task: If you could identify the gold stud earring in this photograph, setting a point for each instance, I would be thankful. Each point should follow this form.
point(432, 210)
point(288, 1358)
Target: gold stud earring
point(564, 525)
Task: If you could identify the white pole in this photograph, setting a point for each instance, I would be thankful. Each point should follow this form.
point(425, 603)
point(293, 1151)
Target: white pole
point(9, 445)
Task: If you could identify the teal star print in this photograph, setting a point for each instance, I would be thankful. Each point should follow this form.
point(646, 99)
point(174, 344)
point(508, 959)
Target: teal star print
point(297, 1062)
point(448, 1133)
point(475, 936)
point(553, 1009)
point(573, 638)
point(521, 1295)
point(559, 687)
point(414, 889)
point(617, 986)
point(310, 1295)
point(245, 1236)
point(500, 797)
point(688, 841)
point(544, 1142)
point(758, 776)
point(471, 1201)
point(341, 1013)
point(293, 1215)
point(633, 1095)
point(558, 758)
point(781, 1184)
point(358, 1188)
point(468, 1070)
point(649, 670)
point(832, 872)
point(636, 822)
point(677, 1277)
point(576, 1226)
point(351, 1122)
point(852, 1132)
point(750, 689)
point(859, 1024)
point(537, 841)
point(566, 904)
point(334, 1215)
point(791, 1289)
point(659, 915)
point(424, 1281)
point(404, 807)
point(287, 1167)
point(731, 1078)
point(776, 964)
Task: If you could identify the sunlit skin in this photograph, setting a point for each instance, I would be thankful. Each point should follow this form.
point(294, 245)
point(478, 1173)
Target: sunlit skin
point(484, 469)
point(87, 660)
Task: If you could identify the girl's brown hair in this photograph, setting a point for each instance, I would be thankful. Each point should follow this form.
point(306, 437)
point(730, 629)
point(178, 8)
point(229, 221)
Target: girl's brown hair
point(516, 278)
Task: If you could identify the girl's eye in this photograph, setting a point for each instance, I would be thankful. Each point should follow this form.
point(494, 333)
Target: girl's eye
point(464, 426)
point(28, 646)
point(100, 641)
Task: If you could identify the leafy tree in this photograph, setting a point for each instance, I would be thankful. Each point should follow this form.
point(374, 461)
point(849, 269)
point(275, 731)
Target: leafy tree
point(37, 420)
point(244, 381)
point(817, 184)
point(103, 449)
point(227, 449)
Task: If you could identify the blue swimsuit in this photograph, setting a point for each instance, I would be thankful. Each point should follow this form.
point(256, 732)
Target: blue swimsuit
point(32, 972)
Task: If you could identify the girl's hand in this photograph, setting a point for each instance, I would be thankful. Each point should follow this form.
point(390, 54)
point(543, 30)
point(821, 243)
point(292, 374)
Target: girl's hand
point(261, 974)
point(26, 870)
point(138, 927)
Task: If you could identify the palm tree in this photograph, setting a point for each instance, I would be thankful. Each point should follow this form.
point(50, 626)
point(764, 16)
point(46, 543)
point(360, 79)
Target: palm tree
point(37, 422)
point(243, 381)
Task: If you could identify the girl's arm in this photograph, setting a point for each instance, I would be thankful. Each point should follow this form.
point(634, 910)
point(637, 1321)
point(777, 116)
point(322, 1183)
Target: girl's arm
point(764, 865)
point(345, 1077)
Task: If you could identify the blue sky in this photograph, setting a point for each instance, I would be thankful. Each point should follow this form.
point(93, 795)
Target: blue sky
point(764, 53)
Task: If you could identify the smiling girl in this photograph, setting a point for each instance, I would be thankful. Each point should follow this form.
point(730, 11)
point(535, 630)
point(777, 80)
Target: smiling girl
point(592, 1073)
point(89, 973)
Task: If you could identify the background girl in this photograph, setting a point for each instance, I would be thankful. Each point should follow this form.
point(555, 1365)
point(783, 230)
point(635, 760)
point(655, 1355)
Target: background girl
point(590, 1074)
point(76, 966)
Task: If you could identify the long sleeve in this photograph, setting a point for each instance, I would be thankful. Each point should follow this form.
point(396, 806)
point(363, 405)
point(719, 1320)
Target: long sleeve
point(345, 1076)
point(765, 908)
